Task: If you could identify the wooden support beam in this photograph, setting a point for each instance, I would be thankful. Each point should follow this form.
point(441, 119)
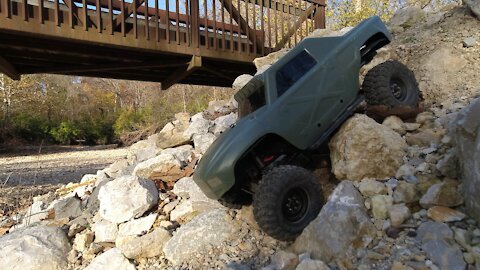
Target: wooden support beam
point(109, 67)
point(9, 70)
point(182, 72)
point(295, 27)
point(235, 14)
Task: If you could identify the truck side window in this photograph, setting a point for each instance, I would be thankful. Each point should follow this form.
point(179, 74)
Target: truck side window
point(293, 70)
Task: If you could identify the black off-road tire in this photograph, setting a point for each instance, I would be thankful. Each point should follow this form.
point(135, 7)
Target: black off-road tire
point(391, 84)
point(288, 198)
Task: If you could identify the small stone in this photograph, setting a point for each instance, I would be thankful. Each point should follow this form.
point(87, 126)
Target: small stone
point(380, 206)
point(137, 226)
point(149, 245)
point(284, 260)
point(105, 231)
point(406, 192)
point(468, 257)
point(83, 240)
point(170, 206)
point(111, 259)
point(425, 138)
point(370, 187)
point(469, 42)
point(400, 266)
point(310, 264)
point(405, 170)
point(395, 123)
point(398, 214)
point(463, 237)
point(444, 214)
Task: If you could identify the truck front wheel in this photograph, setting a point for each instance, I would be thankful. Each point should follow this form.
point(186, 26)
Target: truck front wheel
point(288, 198)
point(391, 84)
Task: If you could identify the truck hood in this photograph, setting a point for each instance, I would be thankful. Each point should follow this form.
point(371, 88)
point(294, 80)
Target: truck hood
point(215, 173)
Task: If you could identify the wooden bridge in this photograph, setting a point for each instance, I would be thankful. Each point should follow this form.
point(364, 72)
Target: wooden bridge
point(203, 42)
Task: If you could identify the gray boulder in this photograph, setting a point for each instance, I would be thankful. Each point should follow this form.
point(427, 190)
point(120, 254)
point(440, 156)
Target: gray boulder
point(442, 194)
point(203, 141)
point(210, 229)
point(467, 137)
point(126, 197)
point(35, 248)
point(241, 81)
point(70, 207)
point(407, 17)
point(198, 126)
point(474, 6)
point(342, 226)
point(186, 188)
point(438, 242)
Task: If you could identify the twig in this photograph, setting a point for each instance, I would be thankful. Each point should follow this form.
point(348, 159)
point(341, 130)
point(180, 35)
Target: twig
point(6, 180)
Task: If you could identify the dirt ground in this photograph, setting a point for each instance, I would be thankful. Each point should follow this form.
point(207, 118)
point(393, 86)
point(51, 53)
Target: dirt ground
point(25, 173)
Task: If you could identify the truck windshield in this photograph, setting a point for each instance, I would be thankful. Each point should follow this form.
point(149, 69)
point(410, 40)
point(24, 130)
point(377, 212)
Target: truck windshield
point(251, 97)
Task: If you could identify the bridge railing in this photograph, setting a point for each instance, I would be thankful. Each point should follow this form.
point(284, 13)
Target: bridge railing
point(245, 27)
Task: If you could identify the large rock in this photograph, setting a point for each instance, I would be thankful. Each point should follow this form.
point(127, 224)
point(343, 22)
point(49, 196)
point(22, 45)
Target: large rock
point(210, 229)
point(144, 149)
point(442, 67)
point(172, 133)
point(203, 142)
point(36, 248)
point(362, 148)
point(407, 17)
point(474, 6)
point(442, 194)
point(269, 59)
point(223, 123)
point(146, 246)
point(68, 208)
point(241, 81)
point(438, 242)
point(168, 166)
point(186, 188)
point(126, 197)
point(467, 136)
point(198, 126)
point(111, 259)
point(342, 226)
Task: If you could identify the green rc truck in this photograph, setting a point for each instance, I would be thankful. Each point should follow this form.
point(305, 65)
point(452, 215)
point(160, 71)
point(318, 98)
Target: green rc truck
point(287, 115)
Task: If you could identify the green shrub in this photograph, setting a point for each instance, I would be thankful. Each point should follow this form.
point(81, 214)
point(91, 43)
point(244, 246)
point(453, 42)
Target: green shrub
point(29, 127)
point(65, 132)
point(130, 120)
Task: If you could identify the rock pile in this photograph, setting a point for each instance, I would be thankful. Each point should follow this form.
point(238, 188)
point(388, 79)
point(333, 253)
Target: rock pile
point(407, 197)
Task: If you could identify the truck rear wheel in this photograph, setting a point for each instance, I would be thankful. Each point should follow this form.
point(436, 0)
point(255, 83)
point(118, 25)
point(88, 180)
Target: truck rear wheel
point(288, 198)
point(391, 84)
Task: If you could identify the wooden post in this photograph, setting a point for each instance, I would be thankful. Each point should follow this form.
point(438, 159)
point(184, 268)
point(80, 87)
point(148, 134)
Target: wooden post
point(194, 19)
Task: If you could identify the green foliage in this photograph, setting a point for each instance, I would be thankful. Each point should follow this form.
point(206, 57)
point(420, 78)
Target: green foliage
point(130, 120)
point(64, 133)
point(29, 127)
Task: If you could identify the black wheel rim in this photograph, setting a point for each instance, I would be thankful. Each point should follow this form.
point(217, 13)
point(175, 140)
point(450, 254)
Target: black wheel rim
point(295, 204)
point(399, 89)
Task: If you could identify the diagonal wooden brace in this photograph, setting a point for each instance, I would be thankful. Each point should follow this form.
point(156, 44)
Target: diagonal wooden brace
point(9, 70)
point(295, 27)
point(243, 24)
point(124, 15)
point(182, 72)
